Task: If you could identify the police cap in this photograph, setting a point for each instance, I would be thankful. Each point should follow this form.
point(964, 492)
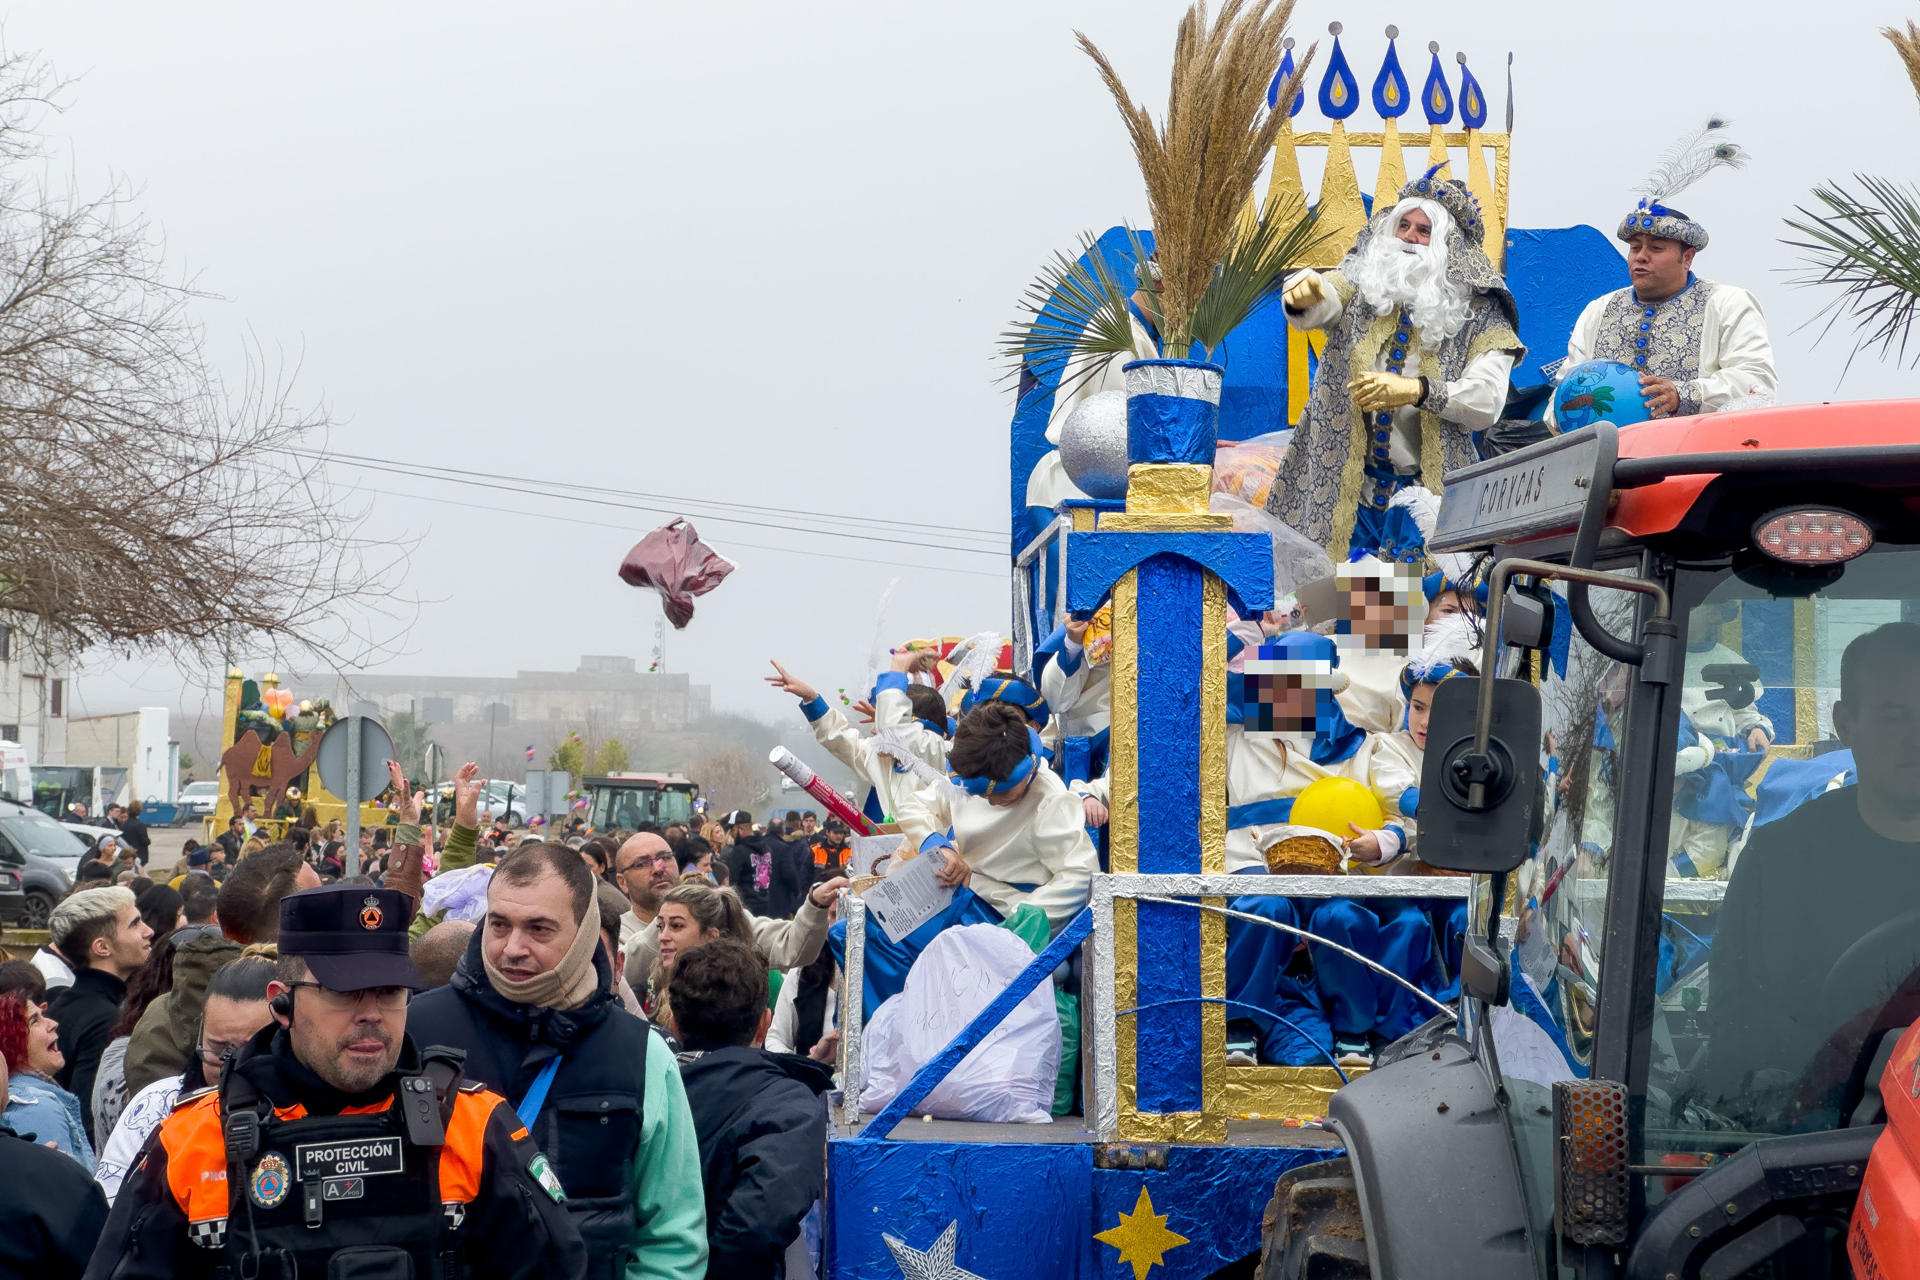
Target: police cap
point(351, 936)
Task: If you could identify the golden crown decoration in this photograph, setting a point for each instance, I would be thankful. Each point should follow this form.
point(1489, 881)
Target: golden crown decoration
point(1481, 163)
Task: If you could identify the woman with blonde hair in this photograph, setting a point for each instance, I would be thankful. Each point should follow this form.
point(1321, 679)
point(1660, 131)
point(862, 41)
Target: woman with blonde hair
point(692, 915)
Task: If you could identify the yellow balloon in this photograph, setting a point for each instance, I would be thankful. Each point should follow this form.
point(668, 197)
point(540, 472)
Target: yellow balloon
point(1329, 804)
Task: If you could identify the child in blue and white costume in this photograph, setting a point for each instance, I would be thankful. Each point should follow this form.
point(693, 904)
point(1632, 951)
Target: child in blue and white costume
point(1275, 1016)
point(1447, 916)
point(1009, 834)
point(908, 720)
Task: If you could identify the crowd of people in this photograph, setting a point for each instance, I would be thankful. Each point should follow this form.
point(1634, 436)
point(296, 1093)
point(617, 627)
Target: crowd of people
point(653, 1005)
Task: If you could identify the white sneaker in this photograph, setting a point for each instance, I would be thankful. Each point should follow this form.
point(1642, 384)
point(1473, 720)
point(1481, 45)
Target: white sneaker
point(1353, 1053)
point(1241, 1053)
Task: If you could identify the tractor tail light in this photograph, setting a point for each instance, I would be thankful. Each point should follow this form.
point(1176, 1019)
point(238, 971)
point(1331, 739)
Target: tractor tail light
point(1811, 535)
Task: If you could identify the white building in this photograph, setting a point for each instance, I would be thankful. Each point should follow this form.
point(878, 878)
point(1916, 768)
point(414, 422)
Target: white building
point(35, 690)
point(134, 746)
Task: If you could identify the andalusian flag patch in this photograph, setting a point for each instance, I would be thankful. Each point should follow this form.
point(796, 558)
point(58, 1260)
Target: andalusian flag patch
point(543, 1174)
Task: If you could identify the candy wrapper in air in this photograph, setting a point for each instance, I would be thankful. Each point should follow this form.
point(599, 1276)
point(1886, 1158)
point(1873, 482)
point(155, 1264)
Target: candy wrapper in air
point(673, 561)
point(1246, 469)
point(460, 895)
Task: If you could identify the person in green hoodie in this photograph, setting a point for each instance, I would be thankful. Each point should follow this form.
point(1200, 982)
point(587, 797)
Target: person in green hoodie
point(533, 1005)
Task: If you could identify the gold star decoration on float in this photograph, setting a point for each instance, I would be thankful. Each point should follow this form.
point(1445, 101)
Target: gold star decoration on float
point(1142, 1237)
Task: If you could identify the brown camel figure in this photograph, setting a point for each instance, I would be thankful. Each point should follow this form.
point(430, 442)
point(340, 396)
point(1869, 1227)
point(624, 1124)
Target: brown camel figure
point(240, 760)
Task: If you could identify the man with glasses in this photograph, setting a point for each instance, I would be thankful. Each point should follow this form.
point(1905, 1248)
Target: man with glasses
point(644, 869)
point(331, 1145)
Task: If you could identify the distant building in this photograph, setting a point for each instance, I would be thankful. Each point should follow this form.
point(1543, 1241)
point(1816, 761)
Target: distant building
point(134, 747)
point(35, 689)
point(606, 694)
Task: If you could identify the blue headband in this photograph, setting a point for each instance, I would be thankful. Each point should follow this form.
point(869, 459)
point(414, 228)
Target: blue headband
point(1016, 693)
point(984, 786)
point(1421, 671)
point(1437, 582)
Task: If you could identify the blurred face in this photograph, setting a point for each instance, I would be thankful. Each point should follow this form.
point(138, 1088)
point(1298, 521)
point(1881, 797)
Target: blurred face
point(227, 1026)
point(237, 825)
point(350, 1039)
point(529, 926)
point(1419, 708)
point(808, 822)
point(679, 932)
point(1658, 266)
point(126, 948)
point(1415, 228)
point(43, 1042)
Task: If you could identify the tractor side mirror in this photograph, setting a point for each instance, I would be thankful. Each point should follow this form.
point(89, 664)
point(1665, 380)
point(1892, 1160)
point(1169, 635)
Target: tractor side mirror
point(1485, 827)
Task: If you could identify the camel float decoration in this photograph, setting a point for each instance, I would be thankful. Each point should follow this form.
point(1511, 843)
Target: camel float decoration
point(252, 766)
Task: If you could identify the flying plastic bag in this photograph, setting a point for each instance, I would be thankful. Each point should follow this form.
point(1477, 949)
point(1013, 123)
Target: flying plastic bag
point(1246, 470)
point(673, 561)
point(1009, 1076)
point(460, 894)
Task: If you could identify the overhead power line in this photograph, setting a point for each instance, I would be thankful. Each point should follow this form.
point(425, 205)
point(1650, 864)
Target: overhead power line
point(575, 491)
point(730, 543)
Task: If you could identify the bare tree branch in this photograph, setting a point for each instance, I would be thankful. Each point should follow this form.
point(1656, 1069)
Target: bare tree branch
point(145, 505)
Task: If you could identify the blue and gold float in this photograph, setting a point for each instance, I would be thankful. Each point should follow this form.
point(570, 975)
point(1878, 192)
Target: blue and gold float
point(1168, 1169)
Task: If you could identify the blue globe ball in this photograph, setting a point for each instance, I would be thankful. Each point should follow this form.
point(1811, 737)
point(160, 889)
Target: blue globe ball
point(1598, 391)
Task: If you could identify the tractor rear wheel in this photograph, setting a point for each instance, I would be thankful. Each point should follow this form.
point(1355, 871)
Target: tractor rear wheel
point(1312, 1229)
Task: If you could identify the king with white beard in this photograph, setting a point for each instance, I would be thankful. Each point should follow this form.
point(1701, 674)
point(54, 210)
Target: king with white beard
point(1421, 336)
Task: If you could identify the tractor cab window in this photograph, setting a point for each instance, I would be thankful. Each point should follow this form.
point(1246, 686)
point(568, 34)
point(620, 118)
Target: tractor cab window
point(1789, 950)
point(1559, 897)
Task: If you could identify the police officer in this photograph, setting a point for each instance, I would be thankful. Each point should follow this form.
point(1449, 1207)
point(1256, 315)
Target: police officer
point(332, 1146)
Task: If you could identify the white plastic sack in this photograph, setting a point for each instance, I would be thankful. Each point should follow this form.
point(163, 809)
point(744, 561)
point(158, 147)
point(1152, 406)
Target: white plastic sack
point(1009, 1076)
point(461, 894)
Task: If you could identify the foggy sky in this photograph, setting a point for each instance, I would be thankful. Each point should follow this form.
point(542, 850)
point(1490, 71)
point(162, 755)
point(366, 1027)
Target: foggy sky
point(761, 252)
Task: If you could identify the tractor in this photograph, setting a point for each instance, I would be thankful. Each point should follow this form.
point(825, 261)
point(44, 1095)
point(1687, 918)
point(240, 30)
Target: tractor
point(1688, 794)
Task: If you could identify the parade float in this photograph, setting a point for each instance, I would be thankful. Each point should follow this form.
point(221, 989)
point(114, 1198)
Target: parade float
point(1627, 549)
point(1168, 1163)
point(270, 738)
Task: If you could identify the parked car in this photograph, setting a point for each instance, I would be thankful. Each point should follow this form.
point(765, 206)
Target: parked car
point(200, 799)
point(42, 856)
point(494, 799)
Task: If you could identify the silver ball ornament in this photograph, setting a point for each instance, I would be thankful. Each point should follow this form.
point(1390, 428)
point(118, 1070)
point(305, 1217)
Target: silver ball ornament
point(1093, 445)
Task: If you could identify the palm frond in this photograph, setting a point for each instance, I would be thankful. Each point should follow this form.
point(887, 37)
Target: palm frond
point(1200, 164)
point(1079, 317)
point(1868, 247)
point(1255, 270)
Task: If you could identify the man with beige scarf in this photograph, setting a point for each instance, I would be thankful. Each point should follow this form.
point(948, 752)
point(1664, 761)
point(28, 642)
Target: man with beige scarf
point(533, 1004)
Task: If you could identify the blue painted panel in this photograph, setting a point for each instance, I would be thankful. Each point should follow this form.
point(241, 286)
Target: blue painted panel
point(1553, 275)
point(1097, 560)
point(1212, 1196)
point(1167, 986)
point(1020, 1210)
point(1168, 741)
point(1766, 641)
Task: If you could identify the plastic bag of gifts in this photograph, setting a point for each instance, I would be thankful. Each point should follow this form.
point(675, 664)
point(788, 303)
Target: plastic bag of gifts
point(1246, 468)
point(1009, 1076)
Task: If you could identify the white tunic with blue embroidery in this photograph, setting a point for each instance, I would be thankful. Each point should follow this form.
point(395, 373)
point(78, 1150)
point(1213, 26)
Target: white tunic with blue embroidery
point(1709, 340)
